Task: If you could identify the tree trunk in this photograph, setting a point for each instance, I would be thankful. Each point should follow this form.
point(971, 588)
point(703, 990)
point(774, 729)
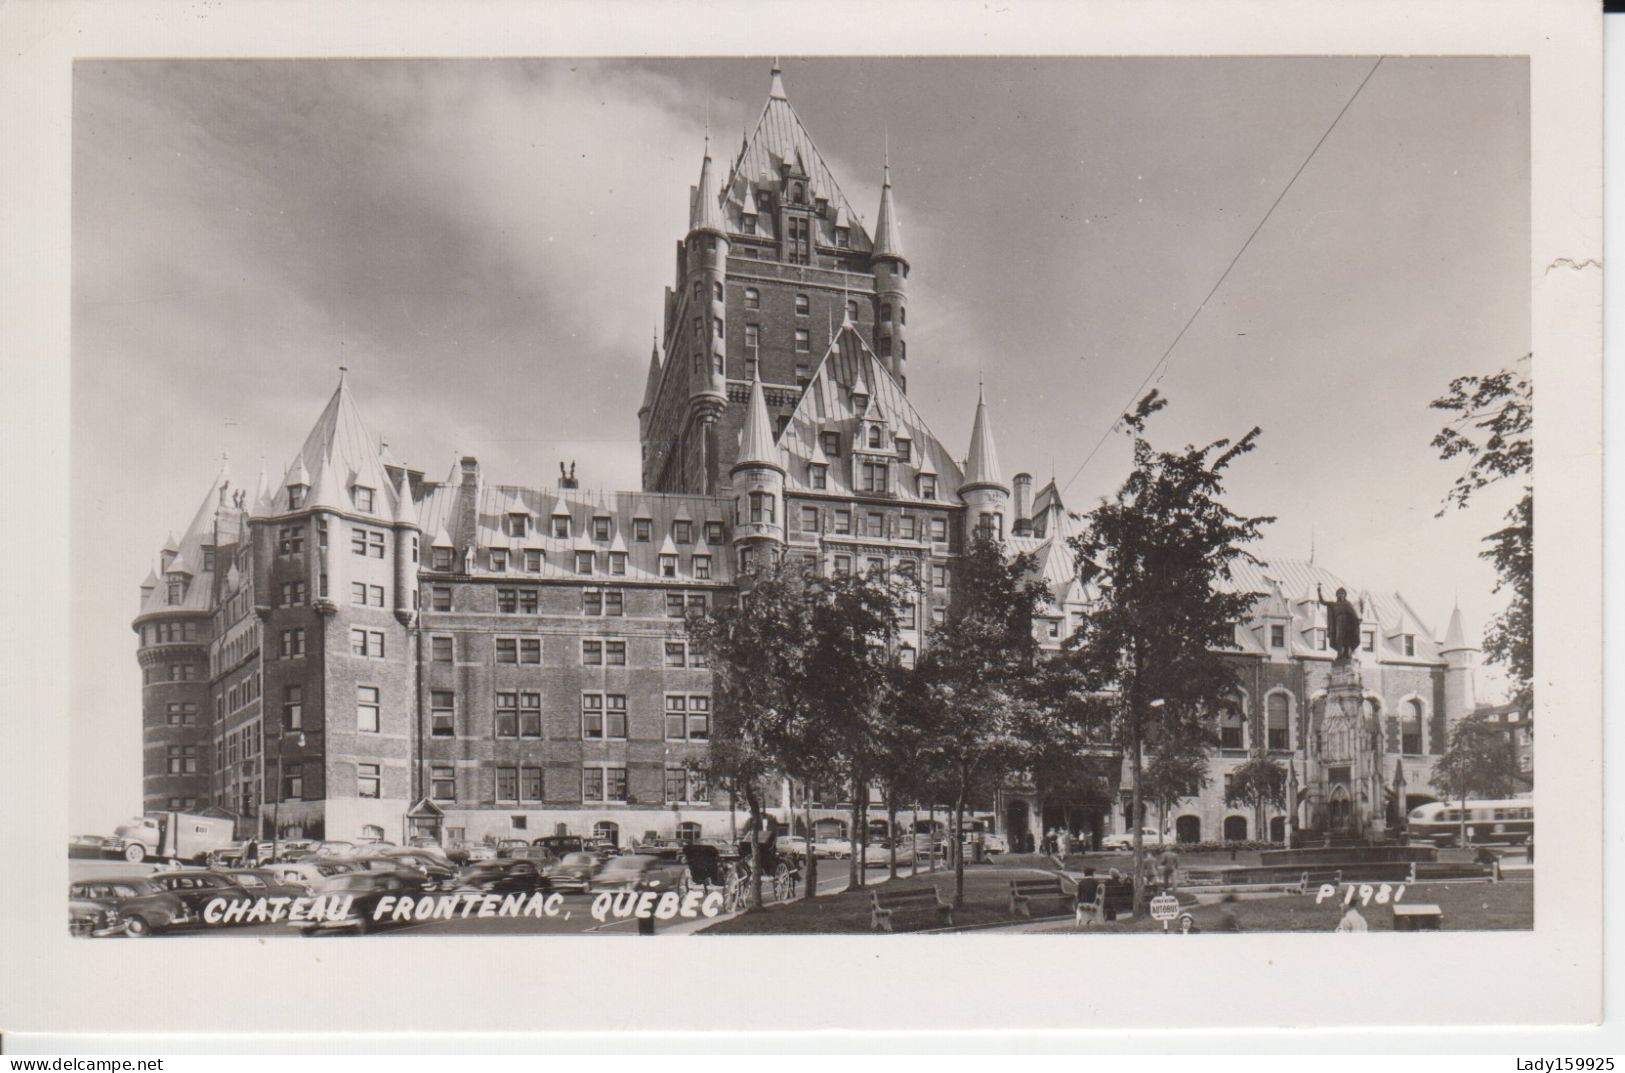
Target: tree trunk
point(957, 850)
point(891, 829)
point(810, 863)
point(1464, 842)
point(1138, 810)
point(755, 851)
point(854, 871)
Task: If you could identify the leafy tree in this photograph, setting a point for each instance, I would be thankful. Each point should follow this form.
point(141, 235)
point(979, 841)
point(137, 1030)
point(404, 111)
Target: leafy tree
point(1177, 769)
point(1256, 784)
point(1159, 555)
point(902, 745)
point(1479, 762)
point(1491, 430)
point(972, 673)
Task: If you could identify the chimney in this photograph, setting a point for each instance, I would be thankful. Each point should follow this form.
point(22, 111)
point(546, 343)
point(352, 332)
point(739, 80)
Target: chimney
point(1023, 488)
point(468, 503)
point(567, 478)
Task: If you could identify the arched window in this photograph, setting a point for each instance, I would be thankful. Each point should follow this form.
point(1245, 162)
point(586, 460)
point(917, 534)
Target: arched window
point(716, 292)
point(1410, 729)
point(803, 306)
point(687, 832)
point(1188, 829)
point(874, 435)
point(1277, 710)
point(1235, 828)
point(753, 298)
point(885, 311)
point(607, 831)
point(852, 308)
point(1278, 829)
point(1232, 727)
point(798, 193)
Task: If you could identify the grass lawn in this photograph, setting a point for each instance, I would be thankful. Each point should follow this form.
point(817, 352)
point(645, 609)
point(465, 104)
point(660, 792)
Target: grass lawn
point(987, 901)
point(1466, 907)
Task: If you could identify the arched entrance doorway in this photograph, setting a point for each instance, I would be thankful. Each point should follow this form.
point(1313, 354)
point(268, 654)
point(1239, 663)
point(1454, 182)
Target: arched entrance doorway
point(1015, 825)
point(1235, 828)
point(1188, 829)
point(1339, 809)
point(1278, 829)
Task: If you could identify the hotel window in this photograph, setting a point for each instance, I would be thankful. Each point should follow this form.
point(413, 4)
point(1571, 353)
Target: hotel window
point(843, 564)
point(293, 707)
point(905, 527)
point(440, 558)
point(363, 499)
point(875, 436)
point(747, 560)
point(939, 530)
point(818, 475)
point(600, 529)
point(642, 530)
point(290, 540)
point(990, 526)
point(908, 618)
point(296, 496)
point(182, 672)
point(561, 526)
point(803, 341)
point(877, 565)
point(713, 532)
point(518, 524)
point(182, 760)
point(830, 443)
point(753, 298)
point(366, 595)
point(753, 336)
point(369, 780)
point(293, 643)
point(809, 519)
point(803, 373)
point(592, 602)
point(939, 615)
point(1277, 715)
point(874, 477)
point(1052, 628)
point(293, 783)
point(293, 593)
point(1411, 727)
point(1368, 641)
point(701, 565)
point(440, 598)
point(674, 605)
point(939, 576)
point(904, 451)
point(875, 524)
point(443, 783)
point(367, 709)
point(592, 653)
point(1231, 728)
point(1277, 635)
point(533, 561)
point(1408, 644)
point(615, 653)
point(675, 654)
point(716, 327)
point(885, 346)
point(682, 532)
point(181, 715)
point(803, 306)
point(614, 603)
point(852, 308)
point(499, 561)
point(905, 656)
point(584, 562)
point(676, 785)
point(843, 238)
point(668, 566)
point(530, 784)
point(507, 650)
point(843, 522)
point(530, 650)
point(368, 644)
point(763, 507)
point(928, 486)
point(442, 713)
point(507, 784)
point(367, 543)
point(617, 563)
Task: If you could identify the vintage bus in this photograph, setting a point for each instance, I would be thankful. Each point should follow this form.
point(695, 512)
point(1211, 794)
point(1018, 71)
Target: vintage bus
point(1507, 820)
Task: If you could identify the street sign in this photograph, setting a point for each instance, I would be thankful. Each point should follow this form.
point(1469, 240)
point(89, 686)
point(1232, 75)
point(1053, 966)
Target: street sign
point(1164, 907)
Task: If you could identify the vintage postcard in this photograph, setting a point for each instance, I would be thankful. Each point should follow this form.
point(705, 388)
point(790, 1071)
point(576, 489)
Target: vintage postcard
point(1070, 506)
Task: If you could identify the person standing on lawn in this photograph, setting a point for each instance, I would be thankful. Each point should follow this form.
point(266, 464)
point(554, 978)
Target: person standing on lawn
point(1353, 921)
point(1168, 867)
point(1063, 841)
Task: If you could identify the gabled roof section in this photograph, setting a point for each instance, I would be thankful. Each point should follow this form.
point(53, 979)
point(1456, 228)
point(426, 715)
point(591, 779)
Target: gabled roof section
point(338, 454)
point(189, 558)
point(826, 406)
point(779, 138)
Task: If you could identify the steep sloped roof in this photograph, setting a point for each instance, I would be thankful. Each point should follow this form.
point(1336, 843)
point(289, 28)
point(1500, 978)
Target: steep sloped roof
point(705, 210)
point(338, 454)
point(888, 234)
point(189, 555)
point(982, 461)
point(826, 406)
point(756, 446)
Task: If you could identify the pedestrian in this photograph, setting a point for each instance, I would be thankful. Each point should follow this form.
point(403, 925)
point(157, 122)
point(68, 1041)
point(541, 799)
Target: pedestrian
point(251, 854)
point(1168, 867)
point(1064, 840)
point(1148, 871)
point(1352, 921)
point(1228, 920)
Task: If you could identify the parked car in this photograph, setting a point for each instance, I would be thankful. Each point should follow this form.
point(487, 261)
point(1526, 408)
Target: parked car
point(1124, 840)
point(86, 917)
point(264, 883)
point(366, 889)
point(560, 844)
point(293, 849)
point(992, 843)
point(505, 877)
point(94, 846)
point(640, 871)
point(838, 848)
point(197, 888)
point(788, 846)
point(143, 906)
point(335, 848)
point(308, 874)
point(506, 846)
point(574, 871)
point(878, 854)
point(729, 851)
point(540, 856)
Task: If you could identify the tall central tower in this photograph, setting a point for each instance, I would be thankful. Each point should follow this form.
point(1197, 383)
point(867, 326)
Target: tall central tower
point(774, 260)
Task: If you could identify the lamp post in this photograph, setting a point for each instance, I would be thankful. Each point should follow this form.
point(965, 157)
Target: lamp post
point(276, 806)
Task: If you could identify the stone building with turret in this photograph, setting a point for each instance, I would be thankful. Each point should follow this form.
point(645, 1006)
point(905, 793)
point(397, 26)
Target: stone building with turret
point(353, 649)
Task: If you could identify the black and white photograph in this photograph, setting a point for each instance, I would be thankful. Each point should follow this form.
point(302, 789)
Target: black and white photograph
point(1087, 498)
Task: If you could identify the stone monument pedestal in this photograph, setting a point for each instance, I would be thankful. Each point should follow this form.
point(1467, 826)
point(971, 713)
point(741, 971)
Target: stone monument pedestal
point(1346, 796)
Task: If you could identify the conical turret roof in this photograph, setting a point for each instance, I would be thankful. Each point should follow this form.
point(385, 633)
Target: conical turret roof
point(982, 463)
point(756, 444)
point(705, 214)
point(651, 384)
point(888, 235)
point(339, 453)
point(1455, 636)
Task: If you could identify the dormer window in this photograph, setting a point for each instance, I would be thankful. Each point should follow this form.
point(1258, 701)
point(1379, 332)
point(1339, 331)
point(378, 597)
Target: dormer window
point(617, 563)
point(668, 566)
point(830, 443)
point(1277, 635)
point(885, 311)
point(928, 486)
point(363, 498)
point(1408, 644)
point(875, 436)
point(208, 562)
point(642, 528)
point(584, 562)
point(747, 220)
point(713, 532)
point(702, 567)
point(177, 591)
point(843, 238)
point(904, 454)
point(798, 193)
point(518, 524)
point(296, 496)
point(818, 476)
point(600, 529)
point(561, 526)
point(682, 531)
point(852, 308)
point(764, 200)
point(440, 558)
point(1368, 641)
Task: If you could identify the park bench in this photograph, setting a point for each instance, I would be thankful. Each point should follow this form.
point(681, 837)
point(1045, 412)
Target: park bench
point(1116, 897)
point(1024, 891)
point(888, 904)
point(1314, 877)
point(1418, 917)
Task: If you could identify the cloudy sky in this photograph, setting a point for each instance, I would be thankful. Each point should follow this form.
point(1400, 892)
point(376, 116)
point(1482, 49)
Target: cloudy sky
point(484, 245)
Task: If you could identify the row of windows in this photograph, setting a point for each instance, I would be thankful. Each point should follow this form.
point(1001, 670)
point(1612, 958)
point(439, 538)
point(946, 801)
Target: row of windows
point(242, 693)
point(586, 563)
point(601, 528)
point(873, 477)
point(165, 633)
point(244, 743)
point(171, 672)
point(518, 714)
point(844, 522)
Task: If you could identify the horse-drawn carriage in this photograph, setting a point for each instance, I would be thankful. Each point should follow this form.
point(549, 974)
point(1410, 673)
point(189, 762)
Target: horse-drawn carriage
point(707, 868)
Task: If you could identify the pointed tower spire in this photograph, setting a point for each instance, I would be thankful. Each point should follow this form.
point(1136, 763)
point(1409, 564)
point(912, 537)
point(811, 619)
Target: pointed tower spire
point(982, 463)
point(706, 212)
point(756, 445)
point(775, 89)
point(1455, 637)
point(651, 384)
point(888, 235)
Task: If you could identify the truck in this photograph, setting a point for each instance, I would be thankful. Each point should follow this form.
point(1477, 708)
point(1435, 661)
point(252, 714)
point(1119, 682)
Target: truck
point(178, 836)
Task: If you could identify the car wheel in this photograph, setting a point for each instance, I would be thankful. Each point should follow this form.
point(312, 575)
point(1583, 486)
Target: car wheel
point(136, 927)
point(135, 853)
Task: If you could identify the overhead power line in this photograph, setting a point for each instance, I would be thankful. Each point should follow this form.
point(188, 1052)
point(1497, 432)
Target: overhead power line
point(1166, 354)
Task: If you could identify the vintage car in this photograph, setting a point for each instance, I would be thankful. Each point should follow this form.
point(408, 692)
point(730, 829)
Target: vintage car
point(365, 890)
point(505, 877)
point(86, 917)
point(93, 846)
point(264, 883)
point(641, 871)
point(196, 887)
point(308, 874)
point(336, 848)
point(426, 872)
point(560, 844)
point(143, 907)
point(574, 871)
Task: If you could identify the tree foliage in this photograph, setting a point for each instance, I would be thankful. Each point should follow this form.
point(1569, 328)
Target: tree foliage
point(1478, 762)
point(1159, 555)
point(1257, 784)
point(1491, 430)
